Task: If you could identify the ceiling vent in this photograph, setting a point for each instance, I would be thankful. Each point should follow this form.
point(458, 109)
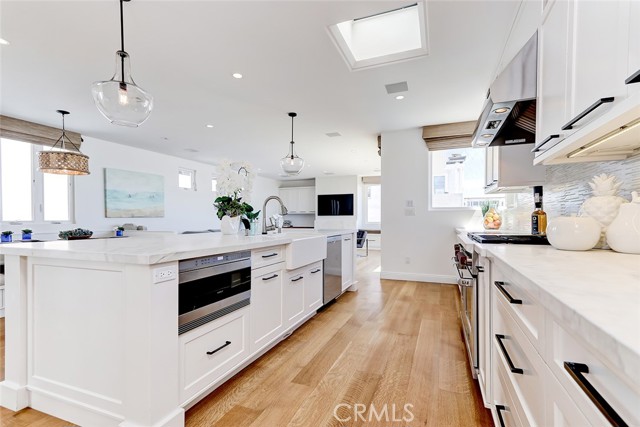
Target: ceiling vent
point(447, 136)
point(396, 87)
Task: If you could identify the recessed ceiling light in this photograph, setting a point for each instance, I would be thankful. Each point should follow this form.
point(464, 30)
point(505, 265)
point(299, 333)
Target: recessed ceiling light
point(209, 126)
point(4, 42)
point(486, 135)
point(237, 75)
point(328, 173)
point(501, 110)
point(400, 97)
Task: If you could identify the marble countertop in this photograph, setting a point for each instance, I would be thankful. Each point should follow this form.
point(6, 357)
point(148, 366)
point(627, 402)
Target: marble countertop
point(147, 250)
point(595, 293)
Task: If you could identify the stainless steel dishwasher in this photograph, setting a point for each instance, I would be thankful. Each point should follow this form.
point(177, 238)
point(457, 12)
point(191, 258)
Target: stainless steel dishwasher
point(333, 269)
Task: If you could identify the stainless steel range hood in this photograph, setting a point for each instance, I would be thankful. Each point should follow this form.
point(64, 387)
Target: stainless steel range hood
point(509, 113)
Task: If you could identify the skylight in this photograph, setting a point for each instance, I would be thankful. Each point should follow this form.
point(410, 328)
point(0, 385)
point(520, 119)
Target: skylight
point(383, 38)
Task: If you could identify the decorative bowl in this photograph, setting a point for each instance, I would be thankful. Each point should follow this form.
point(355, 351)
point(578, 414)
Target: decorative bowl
point(77, 234)
point(573, 233)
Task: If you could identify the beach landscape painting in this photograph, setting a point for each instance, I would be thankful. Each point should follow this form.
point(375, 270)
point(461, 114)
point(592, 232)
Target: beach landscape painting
point(129, 194)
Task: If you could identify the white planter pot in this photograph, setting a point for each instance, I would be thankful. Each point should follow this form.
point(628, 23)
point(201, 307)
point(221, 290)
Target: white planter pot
point(623, 235)
point(230, 225)
point(573, 233)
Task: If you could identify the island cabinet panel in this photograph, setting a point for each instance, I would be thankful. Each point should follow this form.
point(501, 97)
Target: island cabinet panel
point(209, 352)
point(267, 319)
point(293, 296)
point(77, 345)
point(313, 287)
point(348, 262)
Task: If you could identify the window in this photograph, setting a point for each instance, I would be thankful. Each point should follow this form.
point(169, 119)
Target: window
point(214, 184)
point(27, 194)
point(457, 179)
point(372, 205)
point(187, 179)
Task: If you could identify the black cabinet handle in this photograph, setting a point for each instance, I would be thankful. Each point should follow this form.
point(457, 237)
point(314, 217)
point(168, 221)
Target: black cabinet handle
point(586, 112)
point(315, 271)
point(512, 300)
point(270, 277)
point(346, 240)
point(633, 78)
point(576, 370)
point(219, 348)
point(299, 278)
point(503, 349)
point(499, 409)
point(549, 138)
point(270, 255)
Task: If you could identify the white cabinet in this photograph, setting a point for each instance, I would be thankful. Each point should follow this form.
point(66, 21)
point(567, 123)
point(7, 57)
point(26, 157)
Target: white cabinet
point(210, 351)
point(553, 63)
point(586, 52)
point(266, 305)
point(348, 253)
point(313, 287)
point(510, 168)
point(484, 329)
point(299, 200)
point(293, 303)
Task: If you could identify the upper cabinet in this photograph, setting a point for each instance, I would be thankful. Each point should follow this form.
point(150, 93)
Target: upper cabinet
point(299, 200)
point(586, 52)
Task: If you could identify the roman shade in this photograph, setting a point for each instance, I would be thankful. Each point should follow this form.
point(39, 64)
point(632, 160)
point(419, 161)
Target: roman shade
point(34, 133)
point(447, 136)
point(371, 180)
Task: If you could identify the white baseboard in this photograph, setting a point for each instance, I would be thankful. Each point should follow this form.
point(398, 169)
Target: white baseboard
point(13, 396)
point(418, 277)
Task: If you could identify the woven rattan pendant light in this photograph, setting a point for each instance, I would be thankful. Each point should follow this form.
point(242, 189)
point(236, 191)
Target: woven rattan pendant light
point(63, 161)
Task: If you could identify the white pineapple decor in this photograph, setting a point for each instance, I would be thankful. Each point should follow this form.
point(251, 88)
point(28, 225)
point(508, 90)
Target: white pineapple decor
point(604, 205)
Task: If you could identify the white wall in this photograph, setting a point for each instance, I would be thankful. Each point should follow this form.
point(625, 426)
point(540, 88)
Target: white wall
point(425, 240)
point(184, 209)
point(338, 185)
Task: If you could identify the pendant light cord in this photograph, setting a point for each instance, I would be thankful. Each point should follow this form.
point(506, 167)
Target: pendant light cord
point(292, 153)
point(123, 53)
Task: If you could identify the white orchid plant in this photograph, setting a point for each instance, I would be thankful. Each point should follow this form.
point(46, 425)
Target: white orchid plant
point(235, 178)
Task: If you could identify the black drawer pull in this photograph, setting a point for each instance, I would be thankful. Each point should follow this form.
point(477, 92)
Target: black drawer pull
point(270, 255)
point(576, 370)
point(512, 368)
point(315, 271)
point(633, 78)
point(270, 277)
point(512, 300)
point(499, 409)
point(299, 278)
point(346, 240)
point(219, 348)
point(586, 112)
point(549, 138)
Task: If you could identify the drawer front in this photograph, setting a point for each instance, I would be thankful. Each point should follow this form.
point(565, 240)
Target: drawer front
point(561, 410)
point(505, 407)
point(293, 296)
point(209, 352)
point(267, 256)
point(313, 287)
point(524, 367)
point(524, 308)
point(620, 395)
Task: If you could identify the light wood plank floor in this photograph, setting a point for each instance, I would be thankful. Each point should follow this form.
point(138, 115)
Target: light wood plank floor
point(388, 345)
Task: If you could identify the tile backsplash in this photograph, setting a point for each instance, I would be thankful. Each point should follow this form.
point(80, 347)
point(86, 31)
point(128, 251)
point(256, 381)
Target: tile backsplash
point(567, 187)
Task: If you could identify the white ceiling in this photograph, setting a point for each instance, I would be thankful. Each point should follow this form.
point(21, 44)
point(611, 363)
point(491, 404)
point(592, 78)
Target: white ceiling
point(184, 53)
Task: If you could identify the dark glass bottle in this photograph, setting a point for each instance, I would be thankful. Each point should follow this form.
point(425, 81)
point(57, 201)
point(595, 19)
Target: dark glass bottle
point(538, 217)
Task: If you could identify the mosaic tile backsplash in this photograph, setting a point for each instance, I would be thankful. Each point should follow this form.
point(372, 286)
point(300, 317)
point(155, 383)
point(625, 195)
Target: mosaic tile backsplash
point(567, 187)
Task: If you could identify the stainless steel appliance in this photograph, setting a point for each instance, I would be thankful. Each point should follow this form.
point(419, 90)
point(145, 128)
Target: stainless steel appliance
point(468, 271)
point(514, 239)
point(332, 287)
point(509, 113)
point(212, 286)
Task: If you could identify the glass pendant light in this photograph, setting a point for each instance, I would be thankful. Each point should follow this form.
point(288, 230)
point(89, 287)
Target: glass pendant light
point(292, 164)
point(120, 100)
point(63, 161)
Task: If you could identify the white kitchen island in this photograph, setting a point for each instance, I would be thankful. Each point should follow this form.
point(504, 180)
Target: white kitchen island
point(92, 330)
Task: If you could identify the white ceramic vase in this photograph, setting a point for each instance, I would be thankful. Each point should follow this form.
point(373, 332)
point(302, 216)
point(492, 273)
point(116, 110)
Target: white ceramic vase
point(230, 225)
point(572, 233)
point(623, 235)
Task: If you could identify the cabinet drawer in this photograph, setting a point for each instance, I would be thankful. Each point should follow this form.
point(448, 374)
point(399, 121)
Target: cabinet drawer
point(505, 408)
point(523, 307)
point(561, 410)
point(614, 388)
point(524, 367)
point(267, 256)
point(210, 351)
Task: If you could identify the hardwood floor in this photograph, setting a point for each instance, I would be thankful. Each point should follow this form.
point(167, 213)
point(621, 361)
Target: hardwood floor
point(356, 363)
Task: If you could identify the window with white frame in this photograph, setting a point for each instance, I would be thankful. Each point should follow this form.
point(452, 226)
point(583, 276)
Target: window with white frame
point(187, 179)
point(372, 206)
point(214, 184)
point(457, 179)
point(30, 196)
